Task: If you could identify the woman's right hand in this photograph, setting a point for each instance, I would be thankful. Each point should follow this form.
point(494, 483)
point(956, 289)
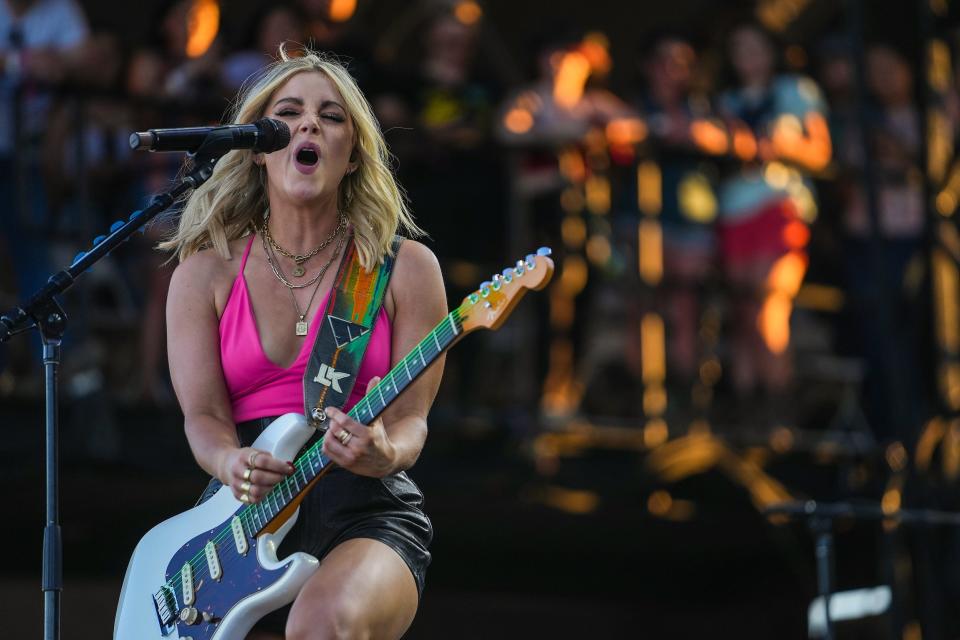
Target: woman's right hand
point(251, 473)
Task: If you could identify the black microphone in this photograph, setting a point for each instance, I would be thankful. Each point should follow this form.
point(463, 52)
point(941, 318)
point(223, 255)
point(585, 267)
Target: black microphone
point(263, 136)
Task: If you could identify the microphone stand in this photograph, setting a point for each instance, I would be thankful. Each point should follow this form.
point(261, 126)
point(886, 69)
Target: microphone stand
point(820, 517)
point(44, 313)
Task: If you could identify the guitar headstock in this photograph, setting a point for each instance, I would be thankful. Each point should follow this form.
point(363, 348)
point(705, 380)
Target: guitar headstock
point(489, 306)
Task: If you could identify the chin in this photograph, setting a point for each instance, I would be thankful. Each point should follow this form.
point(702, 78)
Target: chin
point(306, 192)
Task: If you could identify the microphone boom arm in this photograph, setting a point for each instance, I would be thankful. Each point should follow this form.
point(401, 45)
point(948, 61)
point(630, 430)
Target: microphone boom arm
point(42, 310)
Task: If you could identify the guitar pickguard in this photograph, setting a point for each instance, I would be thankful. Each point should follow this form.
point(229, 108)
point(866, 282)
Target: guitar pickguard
point(242, 576)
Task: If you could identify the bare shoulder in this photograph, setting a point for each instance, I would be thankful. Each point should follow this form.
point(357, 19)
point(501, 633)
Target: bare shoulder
point(417, 279)
point(207, 276)
point(415, 258)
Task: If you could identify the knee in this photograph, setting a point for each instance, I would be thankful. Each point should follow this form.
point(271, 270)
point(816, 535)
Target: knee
point(330, 619)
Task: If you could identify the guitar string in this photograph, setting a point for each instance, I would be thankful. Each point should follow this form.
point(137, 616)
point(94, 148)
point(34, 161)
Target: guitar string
point(246, 514)
point(442, 331)
point(201, 571)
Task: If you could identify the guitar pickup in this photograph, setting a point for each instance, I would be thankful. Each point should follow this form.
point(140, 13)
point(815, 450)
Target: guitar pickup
point(213, 561)
point(239, 537)
point(186, 583)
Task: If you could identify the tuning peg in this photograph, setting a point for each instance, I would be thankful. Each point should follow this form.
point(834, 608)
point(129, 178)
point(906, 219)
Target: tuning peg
point(485, 289)
point(116, 225)
point(98, 240)
point(544, 251)
point(520, 268)
point(474, 297)
point(497, 281)
point(77, 258)
point(508, 275)
point(531, 261)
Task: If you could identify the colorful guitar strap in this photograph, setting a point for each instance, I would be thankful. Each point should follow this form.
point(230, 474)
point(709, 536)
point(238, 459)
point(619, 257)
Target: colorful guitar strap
point(342, 340)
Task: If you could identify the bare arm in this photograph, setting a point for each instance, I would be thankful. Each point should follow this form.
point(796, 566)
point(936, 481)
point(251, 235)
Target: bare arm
point(393, 443)
point(193, 348)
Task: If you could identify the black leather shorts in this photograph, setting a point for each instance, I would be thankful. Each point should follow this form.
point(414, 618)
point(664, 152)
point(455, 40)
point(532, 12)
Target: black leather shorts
point(343, 506)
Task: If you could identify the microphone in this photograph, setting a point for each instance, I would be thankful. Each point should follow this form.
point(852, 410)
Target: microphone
point(263, 136)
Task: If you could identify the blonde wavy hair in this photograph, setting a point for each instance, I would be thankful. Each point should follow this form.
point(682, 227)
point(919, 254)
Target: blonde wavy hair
point(232, 202)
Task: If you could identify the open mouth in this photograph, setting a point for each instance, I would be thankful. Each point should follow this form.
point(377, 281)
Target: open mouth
point(308, 156)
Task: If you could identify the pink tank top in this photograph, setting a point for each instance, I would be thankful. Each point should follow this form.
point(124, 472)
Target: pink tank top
point(259, 388)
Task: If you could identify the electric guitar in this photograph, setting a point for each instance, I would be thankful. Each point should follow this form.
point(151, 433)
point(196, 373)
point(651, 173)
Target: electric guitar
point(211, 572)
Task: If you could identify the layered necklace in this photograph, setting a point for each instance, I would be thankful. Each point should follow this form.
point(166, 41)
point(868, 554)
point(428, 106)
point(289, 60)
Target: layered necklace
point(271, 248)
point(299, 270)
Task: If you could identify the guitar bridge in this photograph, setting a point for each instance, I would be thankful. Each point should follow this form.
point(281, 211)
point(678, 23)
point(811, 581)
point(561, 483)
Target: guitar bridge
point(166, 606)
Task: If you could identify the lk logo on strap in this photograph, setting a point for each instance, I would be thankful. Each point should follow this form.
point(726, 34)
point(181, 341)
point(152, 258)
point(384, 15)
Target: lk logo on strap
point(351, 312)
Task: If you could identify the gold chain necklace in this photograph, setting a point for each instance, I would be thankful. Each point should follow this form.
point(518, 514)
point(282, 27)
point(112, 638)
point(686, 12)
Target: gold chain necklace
point(302, 327)
point(298, 270)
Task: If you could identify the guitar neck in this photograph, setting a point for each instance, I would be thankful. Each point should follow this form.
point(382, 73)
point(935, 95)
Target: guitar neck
point(313, 463)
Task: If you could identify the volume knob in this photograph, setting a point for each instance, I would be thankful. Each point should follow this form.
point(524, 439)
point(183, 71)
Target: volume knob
point(189, 615)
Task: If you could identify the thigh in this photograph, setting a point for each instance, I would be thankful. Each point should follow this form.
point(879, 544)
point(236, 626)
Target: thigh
point(362, 589)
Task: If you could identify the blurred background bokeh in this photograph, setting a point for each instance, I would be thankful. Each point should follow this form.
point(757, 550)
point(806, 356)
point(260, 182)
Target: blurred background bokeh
point(752, 207)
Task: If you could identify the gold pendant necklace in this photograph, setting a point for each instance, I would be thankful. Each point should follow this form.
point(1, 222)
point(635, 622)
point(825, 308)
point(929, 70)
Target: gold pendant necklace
point(302, 327)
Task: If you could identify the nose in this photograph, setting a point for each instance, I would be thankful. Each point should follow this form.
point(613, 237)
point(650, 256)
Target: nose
point(309, 124)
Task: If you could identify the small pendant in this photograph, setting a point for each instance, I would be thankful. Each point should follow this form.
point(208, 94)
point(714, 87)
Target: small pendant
point(298, 271)
point(302, 328)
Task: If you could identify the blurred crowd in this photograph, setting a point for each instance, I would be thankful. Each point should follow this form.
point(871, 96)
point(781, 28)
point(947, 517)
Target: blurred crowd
point(732, 169)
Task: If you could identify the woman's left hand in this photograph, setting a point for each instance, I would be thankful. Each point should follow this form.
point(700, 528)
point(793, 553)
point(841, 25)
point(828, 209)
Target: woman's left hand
point(364, 450)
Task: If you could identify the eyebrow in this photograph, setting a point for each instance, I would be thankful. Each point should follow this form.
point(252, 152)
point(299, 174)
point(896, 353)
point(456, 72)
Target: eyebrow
point(300, 102)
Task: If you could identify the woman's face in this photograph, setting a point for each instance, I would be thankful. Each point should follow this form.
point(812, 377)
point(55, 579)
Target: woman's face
point(311, 167)
point(751, 55)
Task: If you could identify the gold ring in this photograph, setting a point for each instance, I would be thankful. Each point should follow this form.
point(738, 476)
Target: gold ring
point(245, 487)
point(344, 437)
point(252, 459)
point(245, 497)
point(247, 473)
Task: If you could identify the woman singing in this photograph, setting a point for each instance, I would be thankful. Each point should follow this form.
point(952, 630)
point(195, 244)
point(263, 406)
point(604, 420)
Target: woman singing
point(259, 246)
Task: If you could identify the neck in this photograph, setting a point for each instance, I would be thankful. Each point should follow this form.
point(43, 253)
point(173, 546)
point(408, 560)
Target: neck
point(299, 228)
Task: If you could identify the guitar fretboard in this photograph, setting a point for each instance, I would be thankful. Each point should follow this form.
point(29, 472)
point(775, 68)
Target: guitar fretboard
point(309, 465)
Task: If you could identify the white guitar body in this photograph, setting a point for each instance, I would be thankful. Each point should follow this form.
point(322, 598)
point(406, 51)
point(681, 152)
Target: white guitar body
point(149, 568)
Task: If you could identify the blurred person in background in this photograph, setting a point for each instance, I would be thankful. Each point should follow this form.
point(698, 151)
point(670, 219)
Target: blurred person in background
point(169, 88)
point(780, 134)
point(273, 24)
point(331, 25)
point(894, 135)
point(166, 69)
point(448, 162)
point(538, 125)
point(673, 113)
point(564, 113)
point(38, 43)
point(438, 112)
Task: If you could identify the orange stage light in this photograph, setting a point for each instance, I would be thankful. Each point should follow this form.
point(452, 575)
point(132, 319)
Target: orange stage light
point(709, 137)
point(203, 23)
point(468, 12)
point(626, 131)
point(744, 144)
point(341, 10)
point(518, 121)
point(796, 235)
point(783, 283)
point(572, 73)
